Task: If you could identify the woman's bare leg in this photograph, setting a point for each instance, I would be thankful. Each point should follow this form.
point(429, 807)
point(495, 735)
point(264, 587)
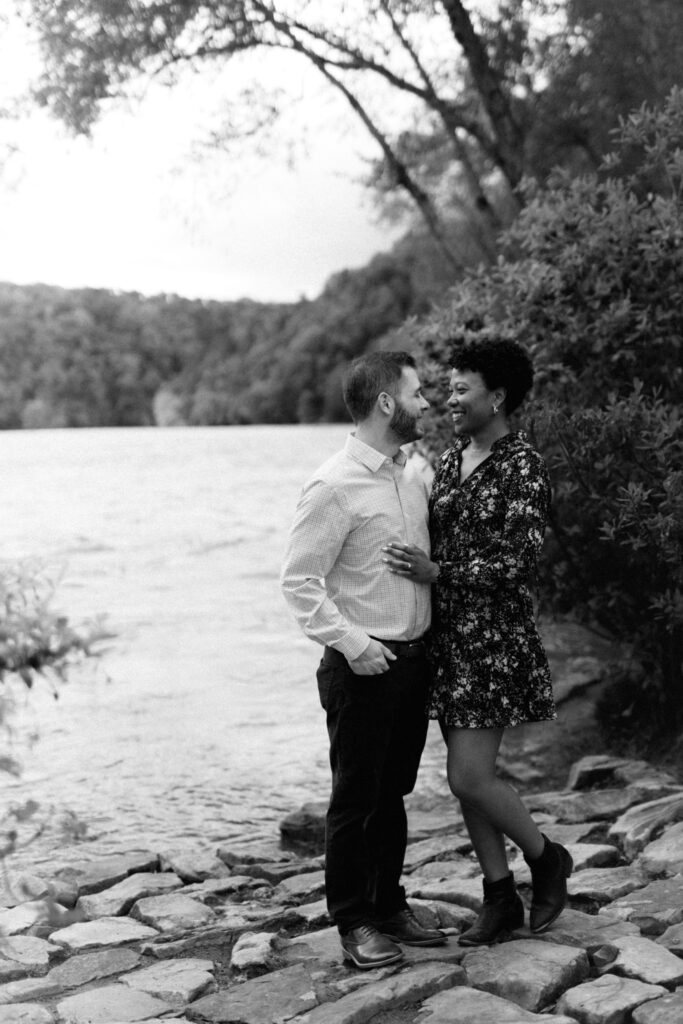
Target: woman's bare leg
point(491, 808)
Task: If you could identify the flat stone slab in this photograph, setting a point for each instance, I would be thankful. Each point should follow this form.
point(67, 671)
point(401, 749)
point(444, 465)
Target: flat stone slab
point(22, 918)
point(666, 1010)
point(641, 958)
point(445, 870)
point(119, 898)
point(672, 939)
point(591, 805)
point(607, 1000)
point(27, 1013)
point(254, 853)
point(29, 952)
point(409, 987)
point(195, 866)
point(92, 876)
point(605, 884)
point(172, 913)
point(176, 982)
point(472, 1006)
point(88, 967)
point(654, 907)
point(301, 887)
point(592, 855)
point(578, 832)
point(634, 829)
point(26, 990)
point(110, 1003)
point(276, 873)
point(273, 997)
point(212, 889)
point(602, 769)
point(664, 856)
point(588, 931)
point(314, 914)
point(466, 892)
point(438, 914)
point(321, 947)
point(107, 931)
point(24, 886)
point(529, 973)
point(435, 848)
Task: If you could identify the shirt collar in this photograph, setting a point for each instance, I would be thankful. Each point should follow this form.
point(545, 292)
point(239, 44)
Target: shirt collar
point(369, 456)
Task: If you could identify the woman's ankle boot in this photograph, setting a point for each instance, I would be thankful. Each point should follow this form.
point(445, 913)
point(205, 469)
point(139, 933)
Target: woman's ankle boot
point(501, 913)
point(549, 874)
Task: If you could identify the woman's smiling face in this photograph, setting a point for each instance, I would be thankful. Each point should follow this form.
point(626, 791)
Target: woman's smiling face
point(471, 403)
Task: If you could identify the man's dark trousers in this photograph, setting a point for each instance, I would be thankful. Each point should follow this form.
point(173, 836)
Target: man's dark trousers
point(377, 727)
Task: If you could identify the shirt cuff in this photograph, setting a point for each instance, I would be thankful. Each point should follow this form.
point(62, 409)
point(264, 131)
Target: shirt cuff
point(352, 645)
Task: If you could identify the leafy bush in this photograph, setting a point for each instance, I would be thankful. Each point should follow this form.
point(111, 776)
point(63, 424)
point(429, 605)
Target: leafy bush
point(590, 283)
point(36, 643)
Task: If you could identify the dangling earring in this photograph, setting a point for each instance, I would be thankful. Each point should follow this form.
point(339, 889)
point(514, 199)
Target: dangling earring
point(495, 410)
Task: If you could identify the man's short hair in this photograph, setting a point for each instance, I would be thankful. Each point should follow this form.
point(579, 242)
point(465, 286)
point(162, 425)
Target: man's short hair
point(370, 375)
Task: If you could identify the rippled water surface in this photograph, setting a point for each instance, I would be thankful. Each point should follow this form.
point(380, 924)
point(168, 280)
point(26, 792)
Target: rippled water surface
point(201, 723)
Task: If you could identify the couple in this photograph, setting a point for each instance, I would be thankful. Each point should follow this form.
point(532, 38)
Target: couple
point(360, 579)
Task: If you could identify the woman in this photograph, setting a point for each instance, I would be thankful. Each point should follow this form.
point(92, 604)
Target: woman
point(488, 511)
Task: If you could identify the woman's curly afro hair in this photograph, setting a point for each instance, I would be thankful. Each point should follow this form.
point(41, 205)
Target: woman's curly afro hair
point(502, 363)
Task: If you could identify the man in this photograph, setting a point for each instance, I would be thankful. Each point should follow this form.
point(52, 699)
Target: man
point(372, 679)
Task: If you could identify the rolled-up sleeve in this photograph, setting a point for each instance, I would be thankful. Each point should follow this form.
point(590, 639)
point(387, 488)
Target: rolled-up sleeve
point(319, 530)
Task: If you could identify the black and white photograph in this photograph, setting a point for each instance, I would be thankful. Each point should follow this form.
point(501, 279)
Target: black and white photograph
point(341, 556)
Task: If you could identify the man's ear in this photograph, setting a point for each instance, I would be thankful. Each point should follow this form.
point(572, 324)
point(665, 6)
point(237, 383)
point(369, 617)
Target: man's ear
point(385, 402)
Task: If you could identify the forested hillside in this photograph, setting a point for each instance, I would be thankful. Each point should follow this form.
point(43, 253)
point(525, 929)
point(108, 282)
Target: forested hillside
point(92, 357)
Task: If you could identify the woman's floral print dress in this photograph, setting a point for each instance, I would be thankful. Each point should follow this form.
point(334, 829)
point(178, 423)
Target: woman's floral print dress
point(490, 669)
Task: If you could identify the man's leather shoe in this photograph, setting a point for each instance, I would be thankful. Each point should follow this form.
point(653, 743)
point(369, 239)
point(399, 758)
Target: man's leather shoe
point(365, 947)
point(404, 927)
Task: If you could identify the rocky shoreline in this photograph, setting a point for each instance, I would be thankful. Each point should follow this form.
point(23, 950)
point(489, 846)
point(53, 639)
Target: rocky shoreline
point(242, 936)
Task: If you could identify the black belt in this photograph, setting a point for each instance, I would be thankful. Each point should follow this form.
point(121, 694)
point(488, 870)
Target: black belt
point(404, 648)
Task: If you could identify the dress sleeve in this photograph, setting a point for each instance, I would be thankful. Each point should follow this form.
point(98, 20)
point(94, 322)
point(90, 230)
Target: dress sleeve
point(508, 559)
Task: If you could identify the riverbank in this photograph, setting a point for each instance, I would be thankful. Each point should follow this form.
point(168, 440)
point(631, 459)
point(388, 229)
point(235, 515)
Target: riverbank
point(242, 935)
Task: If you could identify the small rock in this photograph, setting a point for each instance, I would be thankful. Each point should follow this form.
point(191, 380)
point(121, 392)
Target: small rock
point(313, 913)
point(634, 829)
point(256, 853)
point(172, 913)
point(254, 949)
point(24, 990)
point(23, 918)
point(654, 907)
point(666, 1010)
point(606, 999)
point(82, 969)
point(410, 987)
point(589, 931)
point(472, 1006)
point(29, 951)
point(529, 973)
point(301, 887)
point(672, 939)
point(590, 805)
point(644, 959)
point(436, 848)
point(176, 982)
point(107, 931)
point(313, 948)
point(605, 884)
point(27, 1013)
point(664, 856)
point(111, 1003)
point(467, 892)
point(23, 888)
point(92, 876)
point(197, 866)
point(120, 897)
point(277, 996)
point(305, 827)
point(275, 873)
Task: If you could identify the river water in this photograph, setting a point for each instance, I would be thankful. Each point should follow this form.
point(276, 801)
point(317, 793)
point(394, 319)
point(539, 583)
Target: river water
point(200, 724)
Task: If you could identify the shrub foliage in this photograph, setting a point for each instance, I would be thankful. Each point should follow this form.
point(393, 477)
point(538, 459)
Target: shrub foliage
point(590, 282)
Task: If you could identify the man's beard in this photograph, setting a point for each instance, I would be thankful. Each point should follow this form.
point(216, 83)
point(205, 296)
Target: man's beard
point(404, 425)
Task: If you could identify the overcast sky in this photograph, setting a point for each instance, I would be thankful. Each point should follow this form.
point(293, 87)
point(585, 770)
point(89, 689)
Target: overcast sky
point(135, 210)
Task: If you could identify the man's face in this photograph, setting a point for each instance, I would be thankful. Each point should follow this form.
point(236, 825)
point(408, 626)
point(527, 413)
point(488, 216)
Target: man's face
point(410, 405)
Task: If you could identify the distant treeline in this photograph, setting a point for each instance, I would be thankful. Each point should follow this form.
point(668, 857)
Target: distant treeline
point(93, 357)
